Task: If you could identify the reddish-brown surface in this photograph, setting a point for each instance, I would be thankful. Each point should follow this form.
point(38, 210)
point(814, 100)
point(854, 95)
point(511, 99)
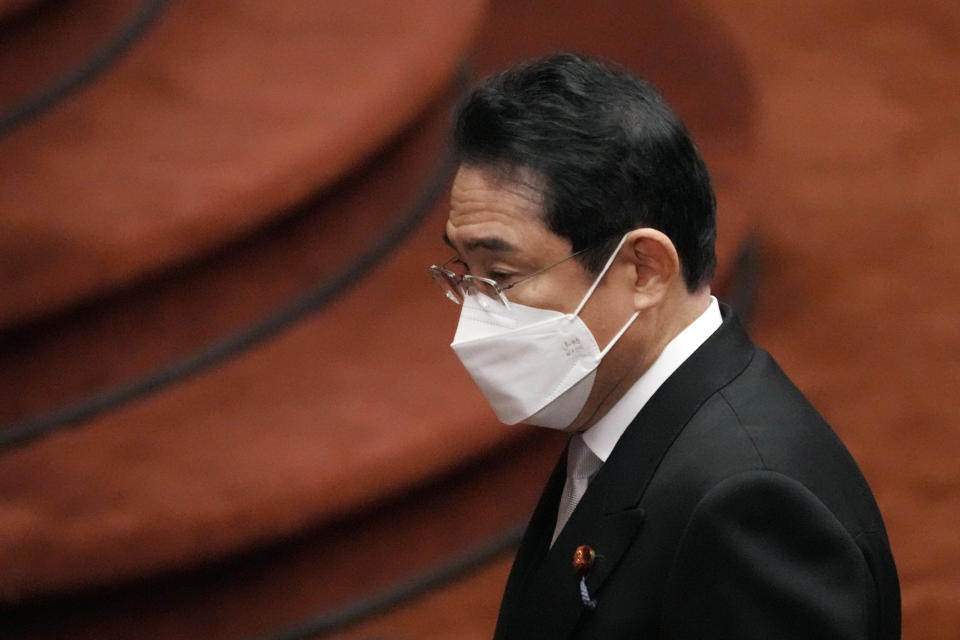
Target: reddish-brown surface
point(9, 8)
point(856, 131)
point(375, 548)
point(225, 113)
point(119, 337)
point(126, 492)
point(49, 40)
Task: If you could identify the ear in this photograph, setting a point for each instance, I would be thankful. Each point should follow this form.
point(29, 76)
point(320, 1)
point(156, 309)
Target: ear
point(656, 263)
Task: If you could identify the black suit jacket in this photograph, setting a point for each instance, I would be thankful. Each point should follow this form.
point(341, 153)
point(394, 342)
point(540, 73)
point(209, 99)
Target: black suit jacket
point(728, 509)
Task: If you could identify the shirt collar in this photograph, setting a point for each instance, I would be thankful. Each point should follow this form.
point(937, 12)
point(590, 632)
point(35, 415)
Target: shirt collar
point(603, 436)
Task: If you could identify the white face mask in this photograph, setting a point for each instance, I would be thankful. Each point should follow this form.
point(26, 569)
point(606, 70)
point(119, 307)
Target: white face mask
point(533, 365)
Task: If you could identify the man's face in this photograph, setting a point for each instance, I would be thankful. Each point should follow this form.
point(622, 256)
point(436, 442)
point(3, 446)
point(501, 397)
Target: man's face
point(498, 230)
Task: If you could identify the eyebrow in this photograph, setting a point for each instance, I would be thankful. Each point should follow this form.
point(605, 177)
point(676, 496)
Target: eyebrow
point(492, 243)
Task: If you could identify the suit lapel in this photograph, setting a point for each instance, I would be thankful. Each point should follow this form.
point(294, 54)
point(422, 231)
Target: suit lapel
point(533, 548)
point(536, 539)
point(543, 590)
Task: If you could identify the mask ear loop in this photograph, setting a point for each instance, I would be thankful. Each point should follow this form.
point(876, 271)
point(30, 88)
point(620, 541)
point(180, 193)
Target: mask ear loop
point(603, 272)
point(596, 283)
point(622, 331)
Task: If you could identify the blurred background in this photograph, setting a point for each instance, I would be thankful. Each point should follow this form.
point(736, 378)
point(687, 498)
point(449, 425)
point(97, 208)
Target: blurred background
point(228, 408)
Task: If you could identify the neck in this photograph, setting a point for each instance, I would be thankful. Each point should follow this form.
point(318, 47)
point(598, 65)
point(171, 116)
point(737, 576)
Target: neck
point(671, 318)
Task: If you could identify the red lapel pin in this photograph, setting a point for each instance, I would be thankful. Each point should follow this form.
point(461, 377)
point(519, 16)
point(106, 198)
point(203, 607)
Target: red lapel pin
point(583, 560)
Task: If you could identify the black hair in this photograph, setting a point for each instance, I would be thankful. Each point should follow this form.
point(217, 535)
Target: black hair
point(610, 153)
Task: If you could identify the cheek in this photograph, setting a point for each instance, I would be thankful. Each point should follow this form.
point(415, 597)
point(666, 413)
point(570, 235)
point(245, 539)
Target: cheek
point(600, 326)
point(546, 295)
point(605, 315)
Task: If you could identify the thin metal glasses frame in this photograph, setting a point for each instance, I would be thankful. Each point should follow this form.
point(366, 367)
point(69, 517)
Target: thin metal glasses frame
point(457, 287)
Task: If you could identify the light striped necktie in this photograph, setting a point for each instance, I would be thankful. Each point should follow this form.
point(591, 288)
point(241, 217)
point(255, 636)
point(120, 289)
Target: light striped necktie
point(582, 465)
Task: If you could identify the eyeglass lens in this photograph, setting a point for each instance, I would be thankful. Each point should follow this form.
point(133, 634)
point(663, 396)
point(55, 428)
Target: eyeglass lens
point(478, 285)
point(449, 282)
point(455, 286)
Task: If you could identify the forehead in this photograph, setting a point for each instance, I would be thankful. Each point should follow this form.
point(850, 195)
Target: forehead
point(486, 206)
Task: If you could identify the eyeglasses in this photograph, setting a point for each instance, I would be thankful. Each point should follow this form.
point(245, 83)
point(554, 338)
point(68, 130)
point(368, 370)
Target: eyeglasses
point(458, 286)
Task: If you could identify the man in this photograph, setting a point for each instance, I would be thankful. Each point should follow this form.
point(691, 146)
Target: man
point(700, 496)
